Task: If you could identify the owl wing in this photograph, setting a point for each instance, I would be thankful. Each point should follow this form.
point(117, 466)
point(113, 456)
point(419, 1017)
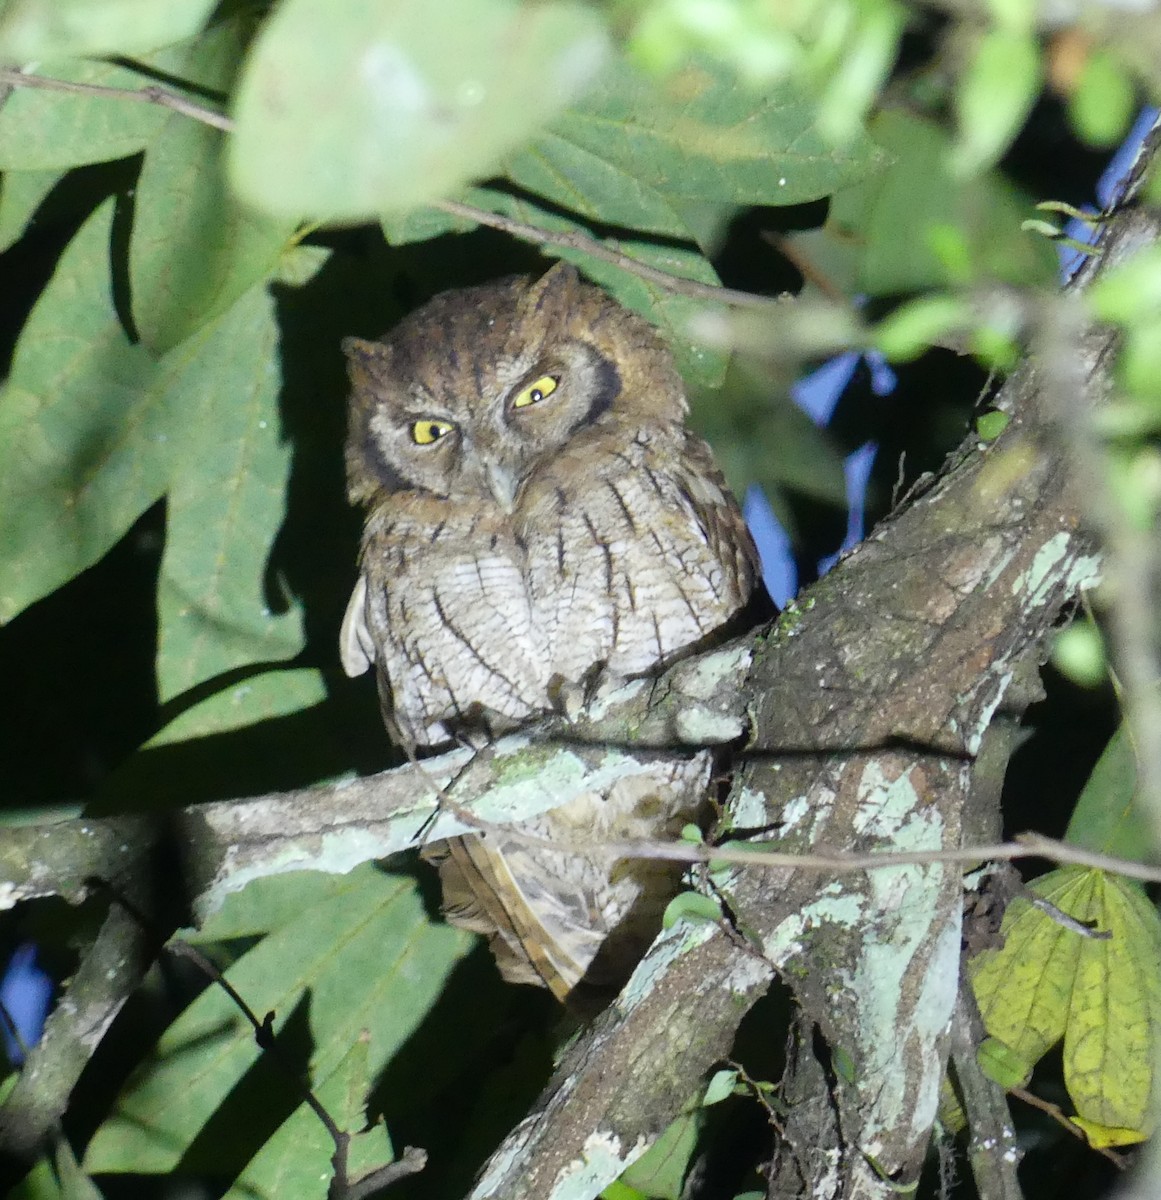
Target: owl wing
point(356, 645)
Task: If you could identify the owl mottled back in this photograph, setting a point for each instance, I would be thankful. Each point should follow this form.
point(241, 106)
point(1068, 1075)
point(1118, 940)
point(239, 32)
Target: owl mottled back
point(538, 519)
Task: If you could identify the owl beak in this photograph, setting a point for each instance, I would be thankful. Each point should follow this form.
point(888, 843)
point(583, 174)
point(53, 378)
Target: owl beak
point(504, 486)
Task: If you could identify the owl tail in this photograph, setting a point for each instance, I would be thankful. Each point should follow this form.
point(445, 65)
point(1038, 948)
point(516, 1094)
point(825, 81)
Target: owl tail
point(481, 894)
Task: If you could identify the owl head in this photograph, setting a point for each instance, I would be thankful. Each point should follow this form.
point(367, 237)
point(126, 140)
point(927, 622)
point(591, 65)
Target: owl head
point(468, 394)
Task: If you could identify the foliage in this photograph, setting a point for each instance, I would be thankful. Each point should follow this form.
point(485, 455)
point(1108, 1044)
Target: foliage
point(184, 348)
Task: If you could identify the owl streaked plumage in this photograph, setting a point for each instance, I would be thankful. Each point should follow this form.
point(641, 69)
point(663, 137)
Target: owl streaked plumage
point(538, 519)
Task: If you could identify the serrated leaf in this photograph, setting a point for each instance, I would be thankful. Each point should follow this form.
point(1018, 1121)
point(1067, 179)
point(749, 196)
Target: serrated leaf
point(21, 194)
point(1102, 995)
point(368, 957)
point(194, 250)
point(83, 428)
point(889, 220)
point(697, 135)
point(38, 29)
point(420, 97)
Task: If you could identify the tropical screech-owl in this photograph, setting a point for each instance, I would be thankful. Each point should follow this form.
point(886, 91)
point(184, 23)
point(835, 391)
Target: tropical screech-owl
point(538, 519)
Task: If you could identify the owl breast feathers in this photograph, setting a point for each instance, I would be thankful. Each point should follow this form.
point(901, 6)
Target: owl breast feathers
point(538, 518)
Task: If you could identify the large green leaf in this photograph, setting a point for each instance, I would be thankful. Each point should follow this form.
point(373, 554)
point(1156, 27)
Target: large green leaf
point(194, 249)
point(84, 428)
point(698, 135)
point(73, 28)
point(893, 223)
point(364, 956)
point(21, 194)
point(226, 501)
point(353, 109)
point(302, 1148)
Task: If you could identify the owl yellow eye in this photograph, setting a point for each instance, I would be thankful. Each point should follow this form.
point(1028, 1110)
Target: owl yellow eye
point(424, 432)
point(535, 392)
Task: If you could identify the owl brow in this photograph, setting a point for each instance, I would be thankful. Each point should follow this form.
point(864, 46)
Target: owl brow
point(607, 380)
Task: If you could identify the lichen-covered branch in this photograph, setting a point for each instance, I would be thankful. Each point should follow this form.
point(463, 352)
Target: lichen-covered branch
point(868, 705)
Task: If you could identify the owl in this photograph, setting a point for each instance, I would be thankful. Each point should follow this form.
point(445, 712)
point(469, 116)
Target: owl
point(539, 523)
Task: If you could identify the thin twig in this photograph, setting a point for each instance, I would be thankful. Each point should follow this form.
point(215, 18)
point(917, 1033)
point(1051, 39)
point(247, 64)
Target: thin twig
point(342, 1186)
point(607, 251)
point(153, 94)
point(1062, 1118)
point(1025, 845)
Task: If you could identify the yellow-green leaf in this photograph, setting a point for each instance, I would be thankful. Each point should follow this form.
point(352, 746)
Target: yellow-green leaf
point(1102, 995)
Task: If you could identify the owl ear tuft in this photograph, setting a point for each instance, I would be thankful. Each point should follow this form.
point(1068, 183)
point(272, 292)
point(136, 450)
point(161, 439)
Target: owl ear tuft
point(554, 294)
point(365, 358)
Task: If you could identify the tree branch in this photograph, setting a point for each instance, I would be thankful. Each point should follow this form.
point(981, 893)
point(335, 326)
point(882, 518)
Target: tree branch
point(165, 97)
point(607, 251)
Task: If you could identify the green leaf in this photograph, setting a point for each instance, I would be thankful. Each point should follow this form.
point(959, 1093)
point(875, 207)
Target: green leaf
point(302, 1148)
point(898, 221)
point(1113, 1039)
point(660, 1172)
point(1130, 292)
point(720, 1087)
point(914, 326)
point(226, 501)
point(258, 698)
point(44, 130)
point(1106, 819)
point(418, 98)
point(1104, 101)
point(990, 425)
point(697, 135)
point(691, 906)
point(194, 250)
point(364, 958)
point(81, 28)
point(83, 429)
point(21, 194)
point(278, 901)
point(1078, 653)
point(1101, 995)
point(995, 95)
point(1001, 1064)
